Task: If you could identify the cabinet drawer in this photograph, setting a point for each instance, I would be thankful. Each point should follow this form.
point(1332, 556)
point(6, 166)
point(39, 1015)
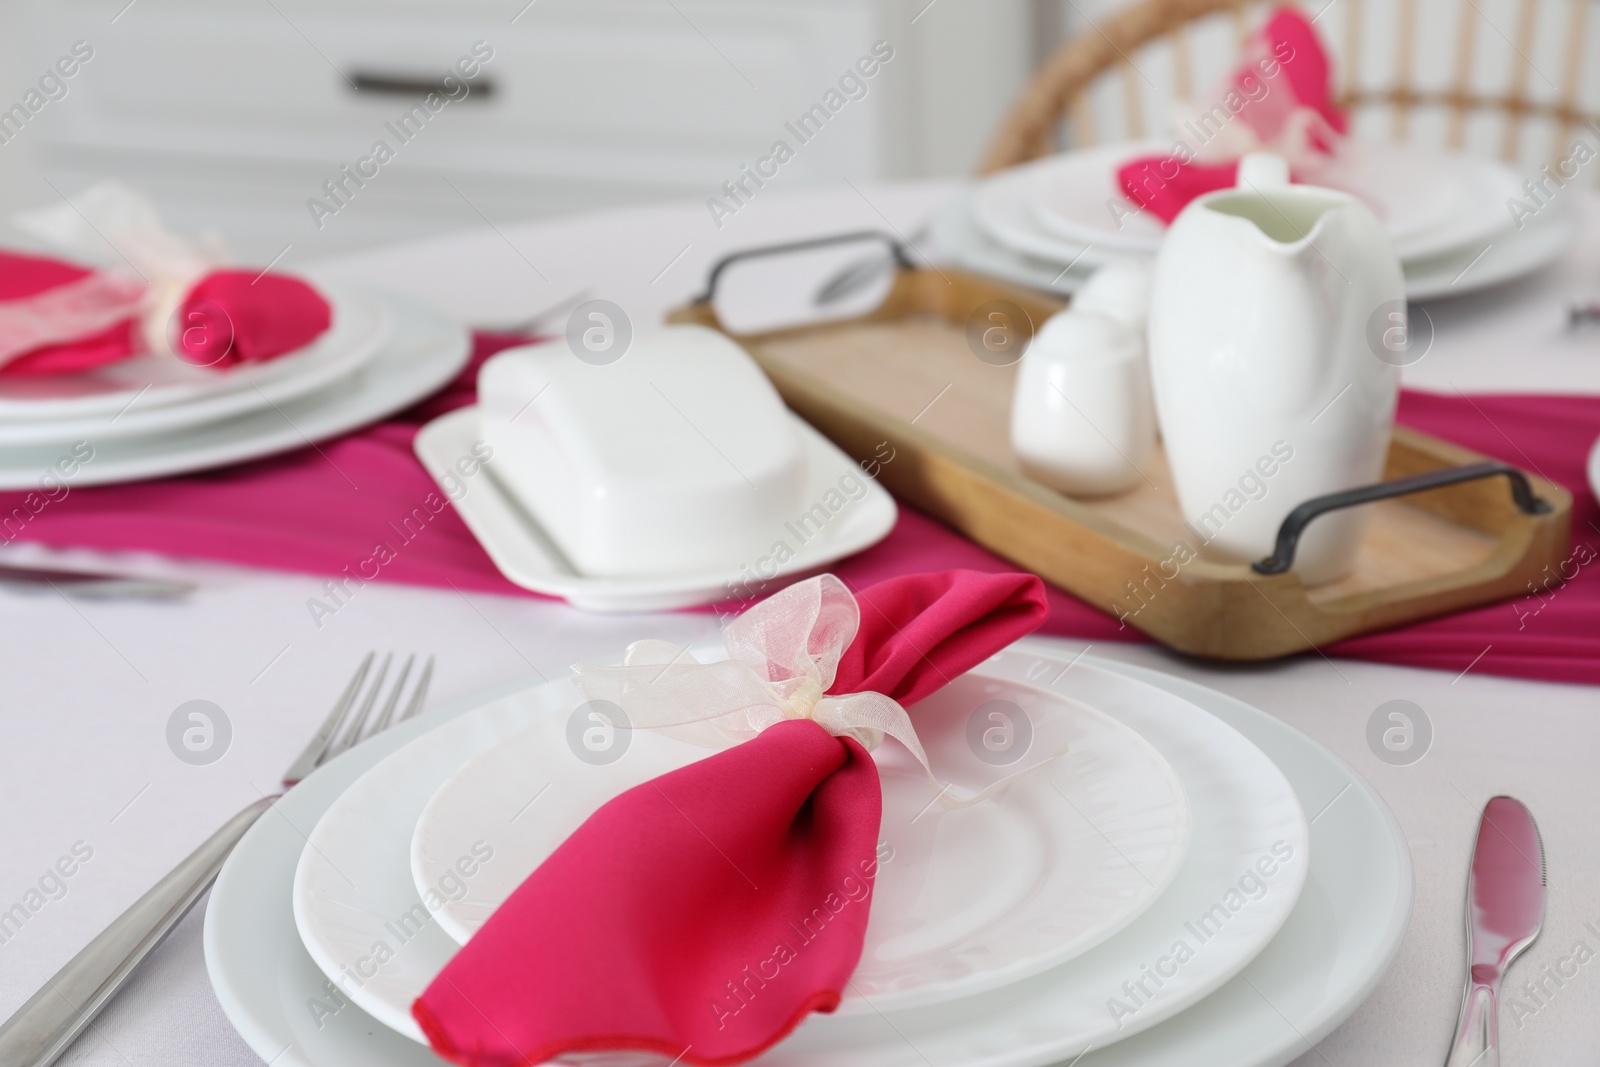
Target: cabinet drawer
point(618, 89)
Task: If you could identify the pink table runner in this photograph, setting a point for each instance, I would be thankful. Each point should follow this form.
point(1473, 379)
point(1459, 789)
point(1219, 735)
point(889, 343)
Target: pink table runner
point(361, 508)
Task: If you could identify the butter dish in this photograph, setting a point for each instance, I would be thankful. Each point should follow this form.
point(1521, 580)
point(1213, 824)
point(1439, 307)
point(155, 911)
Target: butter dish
point(844, 511)
point(677, 457)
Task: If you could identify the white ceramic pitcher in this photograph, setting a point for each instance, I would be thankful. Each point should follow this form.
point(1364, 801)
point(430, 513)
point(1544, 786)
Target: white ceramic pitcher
point(1268, 389)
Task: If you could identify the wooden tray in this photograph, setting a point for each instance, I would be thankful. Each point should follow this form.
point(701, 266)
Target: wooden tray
point(905, 375)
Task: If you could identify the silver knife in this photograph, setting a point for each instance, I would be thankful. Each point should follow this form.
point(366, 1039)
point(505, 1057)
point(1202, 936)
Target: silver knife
point(1505, 909)
point(91, 583)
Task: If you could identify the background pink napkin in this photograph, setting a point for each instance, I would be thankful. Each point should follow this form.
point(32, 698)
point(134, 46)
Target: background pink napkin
point(228, 317)
point(22, 277)
point(324, 511)
point(1164, 184)
point(238, 316)
point(704, 914)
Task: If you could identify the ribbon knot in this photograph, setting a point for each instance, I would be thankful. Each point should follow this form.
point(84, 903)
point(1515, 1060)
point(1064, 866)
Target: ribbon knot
point(783, 656)
point(802, 703)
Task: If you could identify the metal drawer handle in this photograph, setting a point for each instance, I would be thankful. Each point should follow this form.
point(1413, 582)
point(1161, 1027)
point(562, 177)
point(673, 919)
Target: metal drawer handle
point(414, 85)
point(1295, 523)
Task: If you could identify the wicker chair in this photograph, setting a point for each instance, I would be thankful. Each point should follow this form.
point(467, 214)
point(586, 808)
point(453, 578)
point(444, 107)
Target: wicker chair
point(1511, 85)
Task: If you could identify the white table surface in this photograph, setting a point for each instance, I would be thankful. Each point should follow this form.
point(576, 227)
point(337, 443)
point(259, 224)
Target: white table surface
point(88, 687)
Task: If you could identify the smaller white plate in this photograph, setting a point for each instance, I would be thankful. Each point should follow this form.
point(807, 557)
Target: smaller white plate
point(1071, 194)
point(352, 886)
point(1003, 206)
point(965, 901)
point(526, 556)
point(423, 352)
point(358, 331)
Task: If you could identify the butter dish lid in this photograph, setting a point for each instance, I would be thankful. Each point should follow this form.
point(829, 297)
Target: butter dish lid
point(683, 403)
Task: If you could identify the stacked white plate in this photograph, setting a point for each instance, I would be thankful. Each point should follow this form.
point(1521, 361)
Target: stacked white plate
point(1156, 895)
point(1050, 223)
point(151, 416)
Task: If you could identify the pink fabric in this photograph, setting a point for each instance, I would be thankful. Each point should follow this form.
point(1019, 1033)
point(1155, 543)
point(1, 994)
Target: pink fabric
point(1310, 72)
point(1164, 185)
point(235, 316)
point(920, 631)
point(704, 914)
point(22, 277)
point(1553, 631)
point(678, 922)
point(338, 511)
point(228, 317)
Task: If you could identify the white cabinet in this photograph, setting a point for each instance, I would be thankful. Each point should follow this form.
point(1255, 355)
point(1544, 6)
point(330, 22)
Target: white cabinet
point(235, 113)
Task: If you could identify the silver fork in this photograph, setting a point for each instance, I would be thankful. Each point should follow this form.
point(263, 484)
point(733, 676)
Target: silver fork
point(41, 1029)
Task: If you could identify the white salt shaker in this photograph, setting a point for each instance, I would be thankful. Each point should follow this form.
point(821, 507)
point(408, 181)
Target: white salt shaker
point(1120, 289)
point(1082, 418)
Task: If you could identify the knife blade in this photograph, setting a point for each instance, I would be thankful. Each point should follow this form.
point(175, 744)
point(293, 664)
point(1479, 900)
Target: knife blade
point(91, 583)
point(1505, 911)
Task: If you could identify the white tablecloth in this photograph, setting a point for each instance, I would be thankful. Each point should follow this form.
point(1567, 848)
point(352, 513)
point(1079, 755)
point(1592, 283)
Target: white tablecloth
point(88, 687)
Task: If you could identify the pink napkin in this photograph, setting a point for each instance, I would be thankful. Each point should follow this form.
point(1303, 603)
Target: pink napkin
point(331, 511)
point(235, 316)
point(57, 318)
point(35, 287)
point(704, 914)
point(1268, 103)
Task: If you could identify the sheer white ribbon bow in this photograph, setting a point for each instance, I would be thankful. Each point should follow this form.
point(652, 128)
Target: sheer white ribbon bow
point(783, 655)
point(112, 213)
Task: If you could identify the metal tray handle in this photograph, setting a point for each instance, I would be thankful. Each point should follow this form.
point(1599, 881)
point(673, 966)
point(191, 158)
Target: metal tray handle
point(896, 250)
point(1295, 523)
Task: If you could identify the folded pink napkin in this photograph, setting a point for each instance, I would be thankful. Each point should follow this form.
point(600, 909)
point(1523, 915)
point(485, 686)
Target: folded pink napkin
point(58, 318)
point(1282, 91)
point(704, 914)
point(235, 316)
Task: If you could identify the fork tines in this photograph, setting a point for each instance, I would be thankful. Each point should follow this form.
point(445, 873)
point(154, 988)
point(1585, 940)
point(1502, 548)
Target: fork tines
point(358, 694)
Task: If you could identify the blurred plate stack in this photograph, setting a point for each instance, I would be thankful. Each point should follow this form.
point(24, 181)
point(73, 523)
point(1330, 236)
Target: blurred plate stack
point(153, 415)
point(1049, 224)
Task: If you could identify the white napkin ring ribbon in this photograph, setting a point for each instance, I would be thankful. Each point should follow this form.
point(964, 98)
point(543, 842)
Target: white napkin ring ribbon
point(112, 213)
point(783, 656)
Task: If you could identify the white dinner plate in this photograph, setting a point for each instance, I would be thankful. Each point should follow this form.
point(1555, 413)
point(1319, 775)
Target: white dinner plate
point(1004, 207)
point(357, 333)
point(1430, 202)
point(1339, 940)
point(1328, 957)
point(970, 899)
point(424, 350)
point(965, 901)
point(1516, 253)
point(861, 513)
point(361, 894)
